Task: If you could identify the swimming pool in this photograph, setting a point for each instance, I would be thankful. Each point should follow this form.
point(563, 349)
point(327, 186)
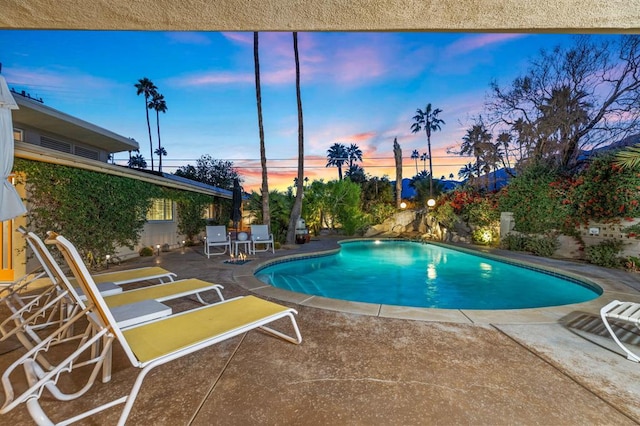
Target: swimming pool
point(424, 275)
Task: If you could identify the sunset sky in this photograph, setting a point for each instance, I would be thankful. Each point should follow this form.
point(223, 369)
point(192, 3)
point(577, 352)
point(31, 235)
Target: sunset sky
point(360, 88)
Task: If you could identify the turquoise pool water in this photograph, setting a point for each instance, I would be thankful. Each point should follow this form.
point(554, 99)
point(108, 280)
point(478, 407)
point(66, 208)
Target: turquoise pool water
point(424, 275)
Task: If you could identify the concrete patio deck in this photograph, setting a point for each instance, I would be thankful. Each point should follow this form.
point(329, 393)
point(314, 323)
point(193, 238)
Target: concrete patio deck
point(378, 365)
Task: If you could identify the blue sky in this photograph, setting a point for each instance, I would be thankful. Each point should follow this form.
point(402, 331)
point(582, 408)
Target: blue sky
point(360, 88)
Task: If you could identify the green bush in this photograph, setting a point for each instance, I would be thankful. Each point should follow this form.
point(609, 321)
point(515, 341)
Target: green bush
point(605, 254)
point(544, 245)
point(632, 264)
point(515, 242)
point(484, 235)
point(146, 251)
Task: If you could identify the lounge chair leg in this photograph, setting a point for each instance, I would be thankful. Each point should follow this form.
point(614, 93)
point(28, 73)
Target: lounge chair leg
point(630, 355)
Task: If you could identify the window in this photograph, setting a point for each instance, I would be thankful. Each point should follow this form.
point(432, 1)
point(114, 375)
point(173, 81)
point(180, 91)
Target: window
point(18, 135)
point(209, 212)
point(161, 210)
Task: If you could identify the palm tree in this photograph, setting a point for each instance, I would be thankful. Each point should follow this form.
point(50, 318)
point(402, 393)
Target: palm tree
point(467, 171)
point(429, 121)
point(158, 104)
point(629, 157)
point(266, 213)
point(423, 158)
point(475, 142)
point(336, 156)
point(137, 162)
point(414, 156)
point(354, 154)
point(297, 204)
point(160, 152)
point(148, 89)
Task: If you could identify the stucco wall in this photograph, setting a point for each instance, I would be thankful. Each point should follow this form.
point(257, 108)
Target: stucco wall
point(286, 15)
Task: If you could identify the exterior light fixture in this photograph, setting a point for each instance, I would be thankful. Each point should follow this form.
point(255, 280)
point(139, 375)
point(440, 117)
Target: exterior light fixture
point(403, 205)
point(108, 259)
point(431, 202)
point(158, 249)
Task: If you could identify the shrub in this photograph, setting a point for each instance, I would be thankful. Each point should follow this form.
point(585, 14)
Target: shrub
point(484, 235)
point(605, 254)
point(544, 245)
point(146, 251)
point(515, 242)
point(632, 264)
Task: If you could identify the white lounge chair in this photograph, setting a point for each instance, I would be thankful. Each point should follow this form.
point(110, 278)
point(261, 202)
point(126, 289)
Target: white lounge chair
point(625, 312)
point(217, 236)
point(146, 346)
point(260, 235)
point(60, 300)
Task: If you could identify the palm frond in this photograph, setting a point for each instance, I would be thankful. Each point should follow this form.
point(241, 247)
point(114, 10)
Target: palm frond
point(629, 157)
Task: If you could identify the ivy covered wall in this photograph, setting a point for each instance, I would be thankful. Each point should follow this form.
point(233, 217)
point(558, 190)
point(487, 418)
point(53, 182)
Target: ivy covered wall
point(99, 213)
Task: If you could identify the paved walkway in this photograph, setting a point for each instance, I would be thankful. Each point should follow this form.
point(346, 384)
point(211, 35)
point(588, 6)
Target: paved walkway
point(369, 364)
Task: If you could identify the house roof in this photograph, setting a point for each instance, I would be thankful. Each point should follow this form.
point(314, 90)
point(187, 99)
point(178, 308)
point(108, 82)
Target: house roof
point(29, 151)
point(51, 120)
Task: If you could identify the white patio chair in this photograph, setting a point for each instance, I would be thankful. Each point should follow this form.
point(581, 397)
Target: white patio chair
point(146, 346)
point(625, 312)
point(260, 235)
point(217, 236)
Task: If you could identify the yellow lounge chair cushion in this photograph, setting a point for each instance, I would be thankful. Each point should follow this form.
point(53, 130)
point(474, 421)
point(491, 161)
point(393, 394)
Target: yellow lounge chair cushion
point(171, 334)
point(160, 292)
point(130, 275)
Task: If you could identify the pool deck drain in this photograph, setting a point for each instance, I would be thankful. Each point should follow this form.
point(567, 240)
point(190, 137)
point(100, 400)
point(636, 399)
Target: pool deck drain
point(384, 365)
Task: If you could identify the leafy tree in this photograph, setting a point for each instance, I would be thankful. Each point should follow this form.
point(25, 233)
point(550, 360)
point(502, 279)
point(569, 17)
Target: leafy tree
point(537, 204)
point(190, 207)
point(148, 89)
point(572, 99)
point(158, 104)
point(343, 206)
point(211, 171)
point(266, 215)
point(296, 211)
point(137, 162)
point(424, 188)
point(280, 205)
point(429, 121)
point(336, 156)
point(375, 191)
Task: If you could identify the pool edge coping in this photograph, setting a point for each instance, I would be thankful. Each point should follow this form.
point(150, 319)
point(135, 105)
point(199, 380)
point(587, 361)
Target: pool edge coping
point(543, 315)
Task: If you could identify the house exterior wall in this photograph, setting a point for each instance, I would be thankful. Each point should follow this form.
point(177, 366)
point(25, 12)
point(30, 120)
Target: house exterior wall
point(35, 136)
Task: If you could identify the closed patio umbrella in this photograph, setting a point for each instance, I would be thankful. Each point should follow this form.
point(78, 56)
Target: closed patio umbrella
point(10, 202)
point(236, 204)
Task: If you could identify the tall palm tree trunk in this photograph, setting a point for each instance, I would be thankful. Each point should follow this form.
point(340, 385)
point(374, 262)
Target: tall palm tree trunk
point(266, 213)
point(430, 166)
point(146, 103)
point(397, 155)
point(159, 144)
point(297, 205)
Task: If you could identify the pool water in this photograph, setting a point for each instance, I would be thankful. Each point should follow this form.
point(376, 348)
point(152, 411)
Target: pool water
point(424, 275)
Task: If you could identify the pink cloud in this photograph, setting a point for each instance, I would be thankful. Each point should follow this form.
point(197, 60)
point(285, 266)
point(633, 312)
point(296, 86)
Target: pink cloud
point(474, 42)
point(242, 38)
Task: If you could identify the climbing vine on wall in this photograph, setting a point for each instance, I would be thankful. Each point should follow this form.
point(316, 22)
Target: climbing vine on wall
point(95, 211)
